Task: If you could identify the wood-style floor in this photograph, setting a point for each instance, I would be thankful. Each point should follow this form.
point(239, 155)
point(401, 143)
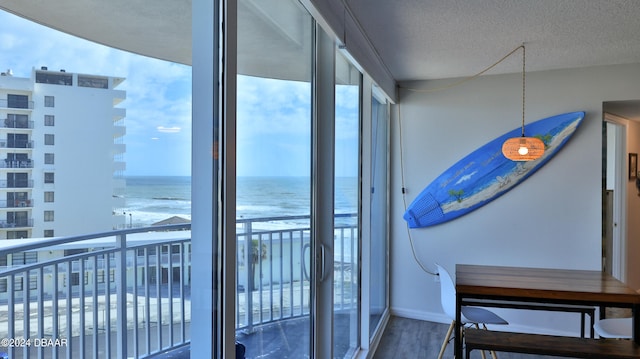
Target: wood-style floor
point(409, 338)
point(403, 339)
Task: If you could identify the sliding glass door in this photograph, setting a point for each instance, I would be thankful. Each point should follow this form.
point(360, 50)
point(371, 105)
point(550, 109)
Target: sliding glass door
point(378, 274)
point(298, 189)
point(346, 247)
point(281, 115)
point(274, 266)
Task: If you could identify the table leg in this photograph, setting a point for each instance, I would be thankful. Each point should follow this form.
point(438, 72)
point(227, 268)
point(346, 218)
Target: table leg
point(636, 323)
point(457, 339)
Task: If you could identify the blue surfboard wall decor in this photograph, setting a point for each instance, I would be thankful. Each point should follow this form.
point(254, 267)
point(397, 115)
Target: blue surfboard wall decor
point(485, 174)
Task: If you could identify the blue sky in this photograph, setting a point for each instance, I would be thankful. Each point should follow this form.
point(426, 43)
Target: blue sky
point(158, 100)
point(274, 128)
point(273, 115)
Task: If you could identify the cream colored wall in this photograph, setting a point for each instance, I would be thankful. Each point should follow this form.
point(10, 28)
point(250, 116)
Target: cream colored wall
point(552, 220)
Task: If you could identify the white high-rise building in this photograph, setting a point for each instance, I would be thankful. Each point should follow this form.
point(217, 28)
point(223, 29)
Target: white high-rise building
point(61, 154)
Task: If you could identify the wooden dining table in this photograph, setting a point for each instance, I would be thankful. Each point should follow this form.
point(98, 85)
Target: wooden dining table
point(540, 285)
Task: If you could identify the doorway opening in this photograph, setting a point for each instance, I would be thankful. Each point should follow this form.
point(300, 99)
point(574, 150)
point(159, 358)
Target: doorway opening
point(613, 194)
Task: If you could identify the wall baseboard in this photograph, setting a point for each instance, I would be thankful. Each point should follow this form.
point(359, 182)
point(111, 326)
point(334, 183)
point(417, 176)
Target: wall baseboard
point(421, 315)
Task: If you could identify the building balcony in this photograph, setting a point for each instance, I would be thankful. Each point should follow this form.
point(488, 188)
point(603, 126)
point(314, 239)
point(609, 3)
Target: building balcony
point(119, 166)
point(127, 293)
point(16, 164)
point(8, 123)
point(119, 148)
point(118, 96)
point(16, 184)
point(119, 131)
point(27, 105)
point(18, 203)
point(15, 144)
point(119, 113)
point(17, 223)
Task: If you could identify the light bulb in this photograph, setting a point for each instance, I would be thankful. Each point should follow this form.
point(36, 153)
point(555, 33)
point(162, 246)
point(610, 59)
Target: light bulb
point(523, 150)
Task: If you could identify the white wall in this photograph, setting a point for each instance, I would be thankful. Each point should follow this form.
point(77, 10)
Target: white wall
point(83, 133)
point(551, 220)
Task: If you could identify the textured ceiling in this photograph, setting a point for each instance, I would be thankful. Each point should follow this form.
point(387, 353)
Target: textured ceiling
point(416, 39)
point(428, 39)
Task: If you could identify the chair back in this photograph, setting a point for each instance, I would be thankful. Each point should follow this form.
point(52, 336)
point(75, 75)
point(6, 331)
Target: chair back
point(447, 292)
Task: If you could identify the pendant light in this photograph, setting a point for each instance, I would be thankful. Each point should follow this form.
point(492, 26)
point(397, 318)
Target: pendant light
point(523, 148)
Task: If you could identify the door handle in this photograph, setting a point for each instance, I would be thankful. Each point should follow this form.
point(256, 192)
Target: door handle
point(321, 266)
point(322, 262)
point(304, 261)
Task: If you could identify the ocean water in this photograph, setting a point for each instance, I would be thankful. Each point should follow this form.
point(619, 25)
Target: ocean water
point(151, 199)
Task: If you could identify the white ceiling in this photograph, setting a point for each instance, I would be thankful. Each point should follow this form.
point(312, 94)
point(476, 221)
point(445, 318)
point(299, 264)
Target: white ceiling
point(427, 39)
point(416, 39)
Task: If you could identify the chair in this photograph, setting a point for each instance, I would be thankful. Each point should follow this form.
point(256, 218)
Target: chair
point(470, 315)
point(618, 328)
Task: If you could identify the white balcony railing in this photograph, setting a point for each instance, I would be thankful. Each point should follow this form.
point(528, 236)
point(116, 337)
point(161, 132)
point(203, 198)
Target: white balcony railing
point(126, 293)
point(118, 294)
point(272, 268)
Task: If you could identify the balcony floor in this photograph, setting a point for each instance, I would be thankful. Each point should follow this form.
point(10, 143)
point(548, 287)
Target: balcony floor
point(180, 353)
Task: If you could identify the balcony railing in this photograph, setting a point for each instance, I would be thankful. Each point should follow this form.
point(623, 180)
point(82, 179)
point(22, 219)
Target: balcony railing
point(16, 183)
point(10, 123)
point(17, 223)
point(126, 293)
point(16, 164)
point(18, 203)
point(273, 268)
point(16, 144)
point(118, 294)
point(16, 104)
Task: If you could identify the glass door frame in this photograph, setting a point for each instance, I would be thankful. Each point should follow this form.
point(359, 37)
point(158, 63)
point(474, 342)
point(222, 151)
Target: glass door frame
point(322, 193)
point(370, 337)
point(213, 133)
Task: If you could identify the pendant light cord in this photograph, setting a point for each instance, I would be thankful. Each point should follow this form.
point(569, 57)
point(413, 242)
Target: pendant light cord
point(523, 85)
point(466, 79)
point(404, 194)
